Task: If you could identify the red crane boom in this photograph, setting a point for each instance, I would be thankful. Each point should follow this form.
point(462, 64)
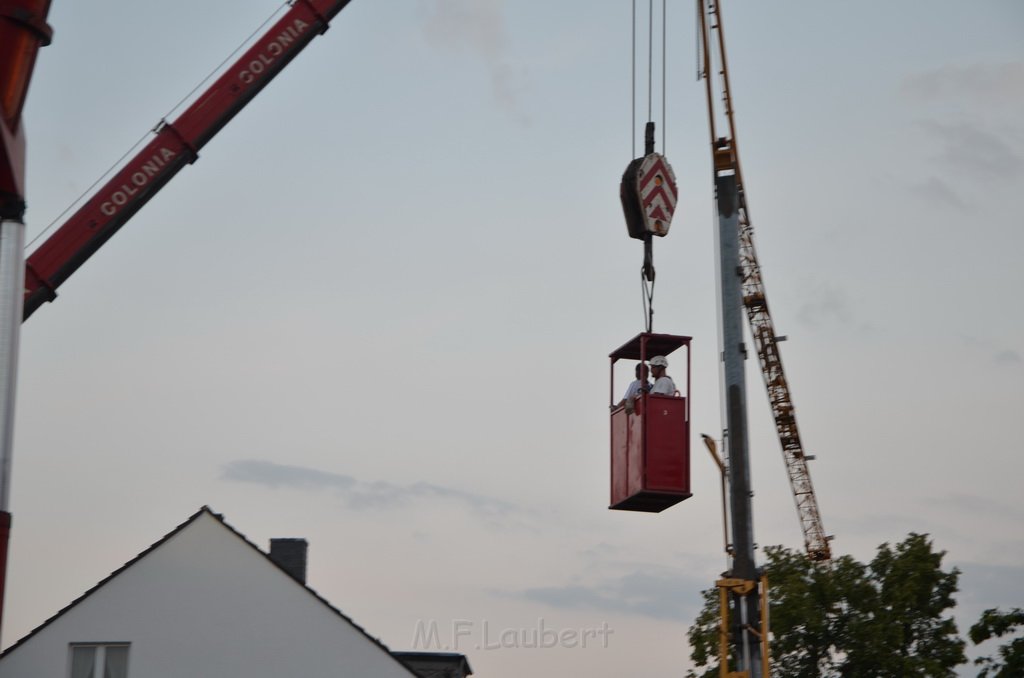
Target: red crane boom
point(175, 145)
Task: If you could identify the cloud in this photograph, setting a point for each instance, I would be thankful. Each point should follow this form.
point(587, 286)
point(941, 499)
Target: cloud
point(360, 495)
point(827, 304)
point(985, 85)
point(936, 190)
point(983, 508)
point(968, 147)
point(1007, 357)
point(654, 592)
point(999, 355)
point(477, 28)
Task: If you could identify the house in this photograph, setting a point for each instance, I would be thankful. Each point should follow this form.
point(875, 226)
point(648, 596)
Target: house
point(205, 601)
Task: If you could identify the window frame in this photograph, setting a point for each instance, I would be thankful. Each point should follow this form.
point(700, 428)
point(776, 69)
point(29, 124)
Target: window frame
point(99, 662)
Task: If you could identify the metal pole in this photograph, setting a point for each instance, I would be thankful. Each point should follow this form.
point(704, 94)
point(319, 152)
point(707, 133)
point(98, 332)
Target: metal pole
point(746, 608)
point(12, 283)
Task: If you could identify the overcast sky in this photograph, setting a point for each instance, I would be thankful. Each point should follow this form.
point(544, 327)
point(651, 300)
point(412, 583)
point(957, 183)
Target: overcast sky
point(376, 313)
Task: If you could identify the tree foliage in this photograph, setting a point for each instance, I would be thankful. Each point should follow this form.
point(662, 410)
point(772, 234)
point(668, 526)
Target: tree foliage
point(844, 618)
point(995, 624)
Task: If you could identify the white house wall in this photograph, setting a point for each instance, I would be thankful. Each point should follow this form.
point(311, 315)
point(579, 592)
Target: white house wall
point(202, 604)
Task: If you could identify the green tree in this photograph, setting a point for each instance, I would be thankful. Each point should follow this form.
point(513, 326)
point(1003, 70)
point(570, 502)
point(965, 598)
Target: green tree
point(843, 618)
point(995, 624)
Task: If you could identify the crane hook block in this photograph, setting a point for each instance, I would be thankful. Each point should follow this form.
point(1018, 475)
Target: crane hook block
point(648, 192)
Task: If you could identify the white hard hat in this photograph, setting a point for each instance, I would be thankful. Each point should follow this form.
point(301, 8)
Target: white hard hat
point(659, 361)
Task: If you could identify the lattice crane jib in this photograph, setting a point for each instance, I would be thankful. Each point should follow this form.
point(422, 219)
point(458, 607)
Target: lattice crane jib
point(725, 159)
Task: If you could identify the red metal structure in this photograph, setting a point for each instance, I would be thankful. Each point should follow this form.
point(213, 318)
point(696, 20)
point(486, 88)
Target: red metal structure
point(175, 145)
point(650, 446)
point(23, 30)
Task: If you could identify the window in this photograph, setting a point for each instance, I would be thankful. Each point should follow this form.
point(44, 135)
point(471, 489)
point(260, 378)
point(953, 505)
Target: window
point(94, 660)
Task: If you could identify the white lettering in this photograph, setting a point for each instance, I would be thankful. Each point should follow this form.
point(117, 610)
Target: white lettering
point(273, 50)
point(138, 179)
point(488, 645)
point(605, 632)
point(426, 638)
point(549, 637)
point(460, 628)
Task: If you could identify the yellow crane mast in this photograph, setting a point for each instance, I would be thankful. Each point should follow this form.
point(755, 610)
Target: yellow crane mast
point(726, 160)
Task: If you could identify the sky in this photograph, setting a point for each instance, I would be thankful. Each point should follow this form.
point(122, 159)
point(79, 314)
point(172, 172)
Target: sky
point(376, 313)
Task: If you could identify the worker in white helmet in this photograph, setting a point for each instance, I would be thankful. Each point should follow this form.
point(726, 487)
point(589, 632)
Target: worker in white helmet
point(663, 384)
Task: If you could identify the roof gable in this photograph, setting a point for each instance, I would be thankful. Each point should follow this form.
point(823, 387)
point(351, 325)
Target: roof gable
point(205, 559)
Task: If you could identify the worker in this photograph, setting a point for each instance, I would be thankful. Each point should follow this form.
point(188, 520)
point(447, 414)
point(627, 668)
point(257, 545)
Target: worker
point(636, 387)
point(663, 384)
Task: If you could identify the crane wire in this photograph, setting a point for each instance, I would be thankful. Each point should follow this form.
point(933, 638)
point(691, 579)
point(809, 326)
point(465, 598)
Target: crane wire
point(632, 126)
point(219, 66)
point(697, 41)
point(135, 146)
point(647, 270)
point(89, 190)
point(647, 294)
point(650, 58)
point(664, 118)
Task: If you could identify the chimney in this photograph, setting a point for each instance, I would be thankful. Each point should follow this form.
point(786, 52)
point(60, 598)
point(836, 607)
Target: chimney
point(290, 556)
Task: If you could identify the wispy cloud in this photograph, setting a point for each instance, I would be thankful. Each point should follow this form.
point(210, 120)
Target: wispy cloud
point(1000, 355)
point(1007, 357)
point(476, 28)
point(826, 303)
point(655, 592)
point(984, 84)
point(937, 191)
point(981, 507)
point(966, 146)
point(361, 495)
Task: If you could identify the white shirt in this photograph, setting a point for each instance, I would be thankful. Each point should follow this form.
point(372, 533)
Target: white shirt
point(633, 390)
point(664, 386)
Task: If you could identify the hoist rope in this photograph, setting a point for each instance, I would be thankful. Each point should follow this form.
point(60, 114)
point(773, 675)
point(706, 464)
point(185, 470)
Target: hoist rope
point(632, 124)
point(698, 41)
point(647, 270)
point(647, 292)
point(137, 144)
point(650, 59)
point(664, 116)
